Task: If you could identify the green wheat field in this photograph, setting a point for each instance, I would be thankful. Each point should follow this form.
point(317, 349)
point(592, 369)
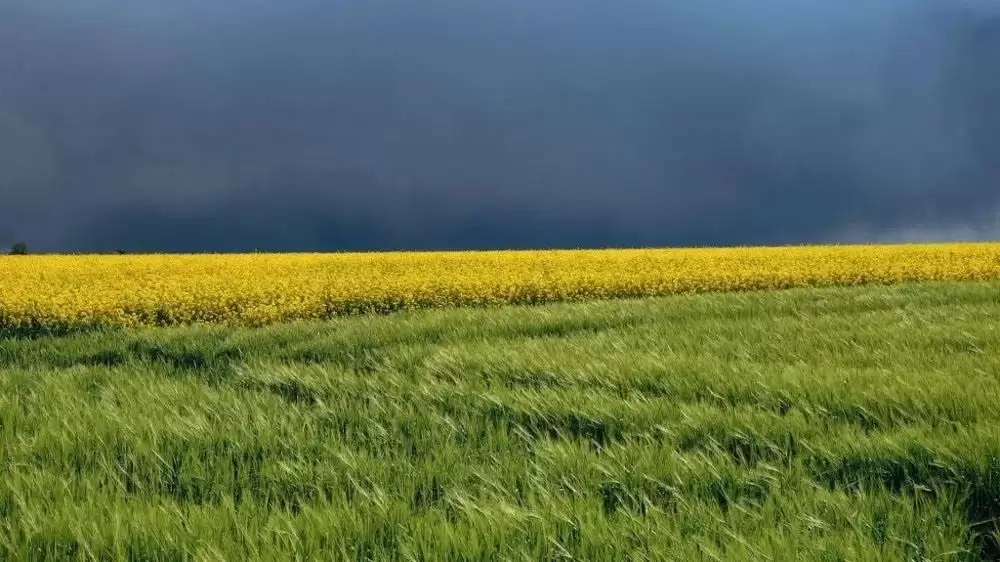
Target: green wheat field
point(811, 424)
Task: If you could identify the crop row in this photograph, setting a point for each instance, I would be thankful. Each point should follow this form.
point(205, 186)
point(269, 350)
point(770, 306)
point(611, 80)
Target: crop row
point(67, 292)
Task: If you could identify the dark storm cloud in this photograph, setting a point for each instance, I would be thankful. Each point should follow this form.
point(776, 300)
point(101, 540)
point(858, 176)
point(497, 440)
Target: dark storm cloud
point(321, 125)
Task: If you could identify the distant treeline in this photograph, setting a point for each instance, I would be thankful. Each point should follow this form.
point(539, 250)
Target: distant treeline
point(21, 249)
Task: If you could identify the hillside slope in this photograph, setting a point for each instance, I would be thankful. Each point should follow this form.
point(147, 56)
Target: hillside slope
point(811, 424)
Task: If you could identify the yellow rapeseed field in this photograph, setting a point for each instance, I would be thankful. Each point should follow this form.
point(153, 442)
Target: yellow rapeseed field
point(64, 292)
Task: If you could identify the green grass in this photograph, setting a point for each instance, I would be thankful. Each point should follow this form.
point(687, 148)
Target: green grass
point(828, 424)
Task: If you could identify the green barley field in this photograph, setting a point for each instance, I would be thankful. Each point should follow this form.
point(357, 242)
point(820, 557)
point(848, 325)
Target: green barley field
point(814, 424)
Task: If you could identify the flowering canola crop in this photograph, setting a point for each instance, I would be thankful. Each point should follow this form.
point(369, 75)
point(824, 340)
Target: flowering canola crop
point(66, 292)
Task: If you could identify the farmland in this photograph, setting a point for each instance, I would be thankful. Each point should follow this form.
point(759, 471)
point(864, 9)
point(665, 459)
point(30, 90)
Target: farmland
point(839, 423)
point(65, 293)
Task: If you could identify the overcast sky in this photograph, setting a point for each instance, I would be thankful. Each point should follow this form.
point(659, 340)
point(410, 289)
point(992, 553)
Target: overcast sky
point(301, 125)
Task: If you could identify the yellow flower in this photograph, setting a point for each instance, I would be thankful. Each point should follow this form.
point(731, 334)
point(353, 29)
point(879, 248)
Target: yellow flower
point(64, 292)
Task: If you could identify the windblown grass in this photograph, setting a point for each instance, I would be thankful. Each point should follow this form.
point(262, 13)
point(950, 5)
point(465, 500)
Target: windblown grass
point(819, 424)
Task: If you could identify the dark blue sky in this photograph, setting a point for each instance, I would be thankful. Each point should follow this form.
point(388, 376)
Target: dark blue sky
point(377, 124)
